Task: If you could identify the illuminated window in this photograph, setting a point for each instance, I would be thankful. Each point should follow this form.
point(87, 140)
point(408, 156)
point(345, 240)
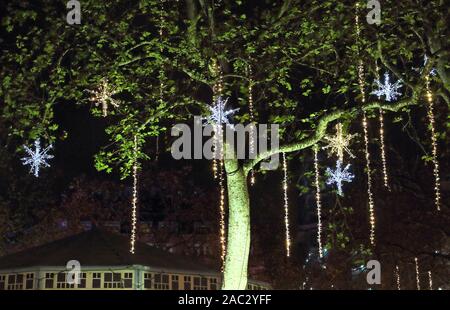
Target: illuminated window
point(82, 280)
point(49, 279)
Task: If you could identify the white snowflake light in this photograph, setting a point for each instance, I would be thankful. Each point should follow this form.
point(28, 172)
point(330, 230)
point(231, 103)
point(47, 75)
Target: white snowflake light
point(338, 176)
point(37, 157)
point(433, 71)
point(102, 95)
point(387, 89)
point(339, 143)
point(219, 115)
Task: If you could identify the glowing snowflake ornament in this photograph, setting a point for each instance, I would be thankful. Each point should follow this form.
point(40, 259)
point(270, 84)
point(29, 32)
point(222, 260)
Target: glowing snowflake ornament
point(338, 176)
point(219, 115)
point(387, 89)
point(339, 143)
point(102, 95)
point(37, 157)
point(433, 71)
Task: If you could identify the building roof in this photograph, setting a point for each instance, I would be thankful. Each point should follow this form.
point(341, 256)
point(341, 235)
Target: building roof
point(97, 247)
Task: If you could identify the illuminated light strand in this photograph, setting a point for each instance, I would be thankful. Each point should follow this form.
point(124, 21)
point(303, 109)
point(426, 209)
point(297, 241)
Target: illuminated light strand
point(430, 280)
point(318, 202)
point(161, 70)
point(437, 183)
point(382, 141)
point(286, 206)
point(417, 273)
point(134, 200)
point(397, 275)
point(366, 138)
point(218, 164)
point(252, 120)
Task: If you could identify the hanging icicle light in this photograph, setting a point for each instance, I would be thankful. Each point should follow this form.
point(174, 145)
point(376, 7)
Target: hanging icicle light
point(134, 199)
point(430, 280)
point(417, 273)
point(252, 120)
point(286, 206)
point(161, 70)
point(397, 276)
point(437, 182)
point(382, 143)
point(318, 202)
point(366, 137)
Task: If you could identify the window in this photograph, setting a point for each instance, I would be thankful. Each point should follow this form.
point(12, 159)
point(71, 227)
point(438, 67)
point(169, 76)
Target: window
point(49, 279)
point(2, 282)
point(200, 283)
point(15, 282)
point(82, 283)
point(148, 280)
point(175, 285)
point(213, 283)
point(96, 280)
point(128, 280)
point(112, 280)
point(161, 281)
point(187, 283)
point(29, 283)
point(61, 281)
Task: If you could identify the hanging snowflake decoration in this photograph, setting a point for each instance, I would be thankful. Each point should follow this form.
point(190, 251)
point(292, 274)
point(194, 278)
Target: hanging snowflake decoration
point(37, 157)
point(338, 176)
point(339, 143)
point(219, 115)
point(433, 71)
point(387, 89)
point(102, 95)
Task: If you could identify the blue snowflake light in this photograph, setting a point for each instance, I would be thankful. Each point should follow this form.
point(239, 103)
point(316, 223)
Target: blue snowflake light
point(37, 157)
point(433, 71)
point(219, 115)
point(387, 89)
point(338, 176)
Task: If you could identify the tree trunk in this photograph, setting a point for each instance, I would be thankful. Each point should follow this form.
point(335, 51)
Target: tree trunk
point(238, 242)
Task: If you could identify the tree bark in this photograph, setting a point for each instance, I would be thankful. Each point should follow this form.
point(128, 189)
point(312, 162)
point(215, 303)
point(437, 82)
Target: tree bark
point(238, 241)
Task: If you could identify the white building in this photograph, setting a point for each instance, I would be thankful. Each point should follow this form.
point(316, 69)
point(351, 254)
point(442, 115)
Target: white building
point(106, 263)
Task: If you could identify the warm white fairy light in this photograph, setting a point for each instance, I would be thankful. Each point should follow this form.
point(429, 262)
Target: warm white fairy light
point(382, 144)
point(437, 182)
point(286, 206)
point(252, 119)
point(339, 143)
point(318, 202)
point(161, 70)
point(417, 273)
point(430, 280)
point(134, 199)
point(366, 138)
point(397, 276)
point(102, 95)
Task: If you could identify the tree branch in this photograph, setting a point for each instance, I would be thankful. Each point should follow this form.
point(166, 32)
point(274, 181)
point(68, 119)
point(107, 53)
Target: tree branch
point(323, 123)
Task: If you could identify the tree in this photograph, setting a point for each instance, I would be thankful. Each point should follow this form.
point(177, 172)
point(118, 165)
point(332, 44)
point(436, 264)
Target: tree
point(303, 56)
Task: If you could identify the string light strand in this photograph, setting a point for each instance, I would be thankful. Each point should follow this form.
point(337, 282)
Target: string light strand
point(318, 202)
point(134, 199)
point(431, 118)
point(366, 137)
point(397, 275)
point(417, 273)
point(286, 206)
